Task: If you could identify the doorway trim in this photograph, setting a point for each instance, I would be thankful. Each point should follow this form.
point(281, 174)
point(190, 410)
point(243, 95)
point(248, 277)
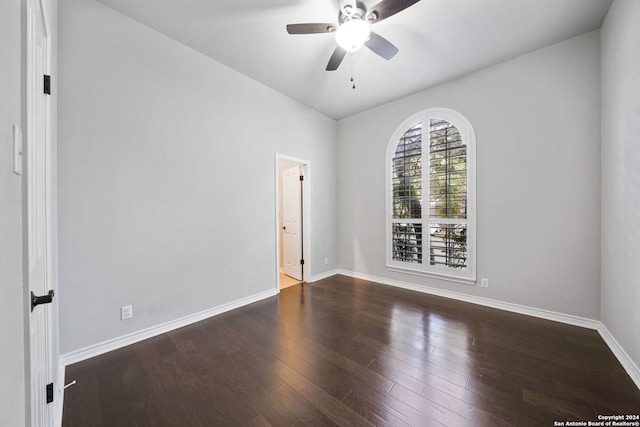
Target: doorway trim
point(40, 409)
point(306, 214)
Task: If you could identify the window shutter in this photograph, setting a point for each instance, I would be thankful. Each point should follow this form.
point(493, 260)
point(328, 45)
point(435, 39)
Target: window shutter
point(430, 188)
point(407, 196)
point(407, 174)
point(447, 195)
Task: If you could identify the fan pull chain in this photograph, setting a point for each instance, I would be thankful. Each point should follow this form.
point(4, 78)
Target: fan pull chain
point(353, 82)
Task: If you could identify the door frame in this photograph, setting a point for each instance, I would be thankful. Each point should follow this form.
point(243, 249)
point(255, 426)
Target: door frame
point(50, 413)
point(306, 214)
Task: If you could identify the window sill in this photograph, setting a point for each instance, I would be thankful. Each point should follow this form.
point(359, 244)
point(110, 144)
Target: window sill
point(450, 278)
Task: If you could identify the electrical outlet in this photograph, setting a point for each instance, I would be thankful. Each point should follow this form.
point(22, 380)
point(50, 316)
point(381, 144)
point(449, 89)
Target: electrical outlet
point(126, 312)
point(484, 282)
point(326, 261)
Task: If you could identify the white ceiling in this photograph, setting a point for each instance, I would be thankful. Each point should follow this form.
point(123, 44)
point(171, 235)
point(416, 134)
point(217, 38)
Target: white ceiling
point(438, 40)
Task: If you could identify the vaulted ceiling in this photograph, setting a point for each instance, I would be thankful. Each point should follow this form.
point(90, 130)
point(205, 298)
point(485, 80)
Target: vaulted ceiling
point(438, 40)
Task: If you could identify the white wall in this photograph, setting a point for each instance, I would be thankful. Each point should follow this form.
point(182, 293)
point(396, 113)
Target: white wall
point(537, 122)
point(620, 35)
point(167, 180)
point(12, 356)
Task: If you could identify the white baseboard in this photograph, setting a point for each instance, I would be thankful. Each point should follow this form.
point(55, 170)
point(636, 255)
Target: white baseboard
point(625, 360)
point(97, 349)
point(323, 275)
point(119, 342)
point(487, 302)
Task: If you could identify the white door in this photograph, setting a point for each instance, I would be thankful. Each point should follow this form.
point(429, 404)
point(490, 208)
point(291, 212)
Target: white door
point(292, 222)
point(38, 163)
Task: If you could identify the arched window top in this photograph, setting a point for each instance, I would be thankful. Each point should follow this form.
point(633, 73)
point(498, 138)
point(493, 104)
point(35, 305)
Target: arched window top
point(447, 114)
point(431, 196)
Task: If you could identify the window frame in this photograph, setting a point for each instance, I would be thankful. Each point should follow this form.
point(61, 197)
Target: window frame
point(467, 275)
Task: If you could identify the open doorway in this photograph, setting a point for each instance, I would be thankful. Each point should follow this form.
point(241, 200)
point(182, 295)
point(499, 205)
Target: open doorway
point(292, 184)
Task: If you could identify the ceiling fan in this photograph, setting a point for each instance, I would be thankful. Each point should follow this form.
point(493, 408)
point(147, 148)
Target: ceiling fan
point(352, 30)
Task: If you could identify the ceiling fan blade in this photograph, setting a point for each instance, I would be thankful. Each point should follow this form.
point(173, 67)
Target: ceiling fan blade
point(336, 58)
point(387, 8)
point(310, 28)
point(381, 46)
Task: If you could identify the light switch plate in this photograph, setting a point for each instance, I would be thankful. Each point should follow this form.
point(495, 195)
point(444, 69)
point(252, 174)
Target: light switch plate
point(17, 150)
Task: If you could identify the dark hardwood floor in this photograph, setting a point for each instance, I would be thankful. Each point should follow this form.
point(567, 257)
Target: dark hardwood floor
point(348, 352)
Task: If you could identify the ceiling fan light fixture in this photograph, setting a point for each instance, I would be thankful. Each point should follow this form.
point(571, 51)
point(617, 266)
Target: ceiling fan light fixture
point(352, 34)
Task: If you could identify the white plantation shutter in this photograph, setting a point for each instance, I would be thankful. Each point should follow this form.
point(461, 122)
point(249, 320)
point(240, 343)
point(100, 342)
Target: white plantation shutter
point(407, 196)
point(431, 191)
point(447, 195)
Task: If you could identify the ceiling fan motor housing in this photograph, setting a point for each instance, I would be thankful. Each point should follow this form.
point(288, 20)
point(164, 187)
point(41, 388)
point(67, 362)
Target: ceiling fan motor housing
point(348, 12)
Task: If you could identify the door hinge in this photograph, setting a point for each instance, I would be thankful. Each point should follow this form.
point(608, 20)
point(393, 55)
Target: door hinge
point(44, 299)
point(301, 177)
point(47, 84)
point(49, 392)
point(301, 262)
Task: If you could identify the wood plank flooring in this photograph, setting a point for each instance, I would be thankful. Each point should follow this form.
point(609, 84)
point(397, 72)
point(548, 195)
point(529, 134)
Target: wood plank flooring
point(287, 281)
point(346, 352)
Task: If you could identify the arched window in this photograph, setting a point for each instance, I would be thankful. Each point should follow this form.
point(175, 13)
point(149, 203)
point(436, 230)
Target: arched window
point(431, 196)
